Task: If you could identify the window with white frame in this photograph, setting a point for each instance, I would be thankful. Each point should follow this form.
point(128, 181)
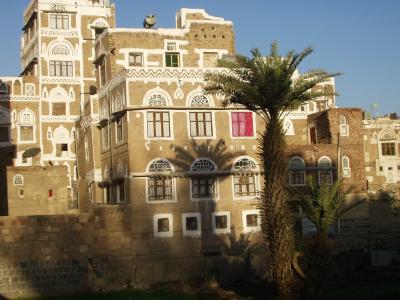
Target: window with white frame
point(297, 173)
point(245, 179)
point(203, 181)
point(387, 142)
point(135, 59)
point(346, 166)
point(344, 127)
point(163, 225)
point(59, 21)
point(251, 220)
point(61, 68)
point(191, 224)
point(200, 122)
point(172, 59)
point(221, 222)
point(325, 175)
point(160, 184)
point(18, 180)
point(26, 126)
point(158, 124)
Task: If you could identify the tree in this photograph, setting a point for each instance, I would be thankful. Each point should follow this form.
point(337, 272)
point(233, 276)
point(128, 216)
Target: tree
point(270, 86)
point(322, 205)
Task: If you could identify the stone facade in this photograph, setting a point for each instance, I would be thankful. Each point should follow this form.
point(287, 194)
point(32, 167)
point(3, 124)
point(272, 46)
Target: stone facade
point(40, 108)
point(165, 174)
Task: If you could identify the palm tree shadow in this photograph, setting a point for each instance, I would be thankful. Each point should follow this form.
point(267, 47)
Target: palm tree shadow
point(218, 152)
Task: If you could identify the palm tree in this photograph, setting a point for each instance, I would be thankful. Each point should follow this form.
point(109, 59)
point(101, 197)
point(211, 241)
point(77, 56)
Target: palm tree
point(322, 205)
point(270, 86)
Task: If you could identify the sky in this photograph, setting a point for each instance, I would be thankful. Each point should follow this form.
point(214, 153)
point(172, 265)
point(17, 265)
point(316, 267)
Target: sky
point(359, 38)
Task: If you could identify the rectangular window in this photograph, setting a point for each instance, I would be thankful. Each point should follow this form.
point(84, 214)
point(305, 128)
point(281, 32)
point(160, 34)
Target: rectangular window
point(58, 21)
point(210, 59)
point(4, 134)
point(158, 124)
point(136, 59)
point(191, 224)
point(62, 150)
point(251, 220)
point(172, 59)
point(120, 192)
point(160, 189)
point(163, 225)
point(119, 124)
point(107, 194)
point(244, 185)
point(105, 136)
point(59, 109)
point(325, 177)
point(200, 124)
point(61, 68)
point(297, 177)
point(388, 149)
point(203, 188)
point(26, 133)
point(221, 222)
point(103, 75)
point(242, 124)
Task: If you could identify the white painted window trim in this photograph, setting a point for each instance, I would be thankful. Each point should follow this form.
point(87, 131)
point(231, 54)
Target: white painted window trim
point(59, 14)
point(221, 230)
point(213, 125)
point(167, 234)
point(171, 126)
point(257, 179)
point(151, 174)
point(348, 168)
point(191, 232)
point(22, 180)
point(245, 213)
point(330, 170)
point(343, 127)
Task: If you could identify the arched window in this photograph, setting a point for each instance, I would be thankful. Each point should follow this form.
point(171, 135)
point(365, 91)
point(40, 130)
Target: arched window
point(200, 122)
point(18, 180)
point(288, 127)
point(297, 173)
point(203, 181)
point(199, 101)
point(160, 184)
point(344, 127)
point(325, 170)
point(5, 120)
point(26, 126)
point(61, 141)
point(346, 166)
point(245, 179)
point(3, 88)
point(157, 99)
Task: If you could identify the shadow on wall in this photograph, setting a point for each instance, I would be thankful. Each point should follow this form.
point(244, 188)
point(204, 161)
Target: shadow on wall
point(7, 150)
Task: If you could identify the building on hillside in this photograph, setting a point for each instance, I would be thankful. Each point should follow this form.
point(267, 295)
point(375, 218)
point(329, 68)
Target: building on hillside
point(38, 110)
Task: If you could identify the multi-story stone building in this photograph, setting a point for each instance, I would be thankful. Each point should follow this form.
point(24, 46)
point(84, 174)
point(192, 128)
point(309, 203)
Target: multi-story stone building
point(39, 109)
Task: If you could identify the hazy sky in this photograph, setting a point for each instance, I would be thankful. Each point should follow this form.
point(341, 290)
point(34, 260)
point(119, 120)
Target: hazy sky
point(360, 38)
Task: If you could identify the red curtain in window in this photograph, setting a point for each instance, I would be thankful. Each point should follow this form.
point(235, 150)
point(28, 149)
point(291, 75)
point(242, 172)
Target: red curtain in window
point(242, 124)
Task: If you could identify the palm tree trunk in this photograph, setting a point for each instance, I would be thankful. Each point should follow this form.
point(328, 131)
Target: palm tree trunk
point(277, 223)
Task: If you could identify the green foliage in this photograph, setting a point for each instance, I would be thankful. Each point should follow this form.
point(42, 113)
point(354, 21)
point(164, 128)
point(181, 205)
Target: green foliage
point(267, 83)
point(270, 85)
point(324, 204)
